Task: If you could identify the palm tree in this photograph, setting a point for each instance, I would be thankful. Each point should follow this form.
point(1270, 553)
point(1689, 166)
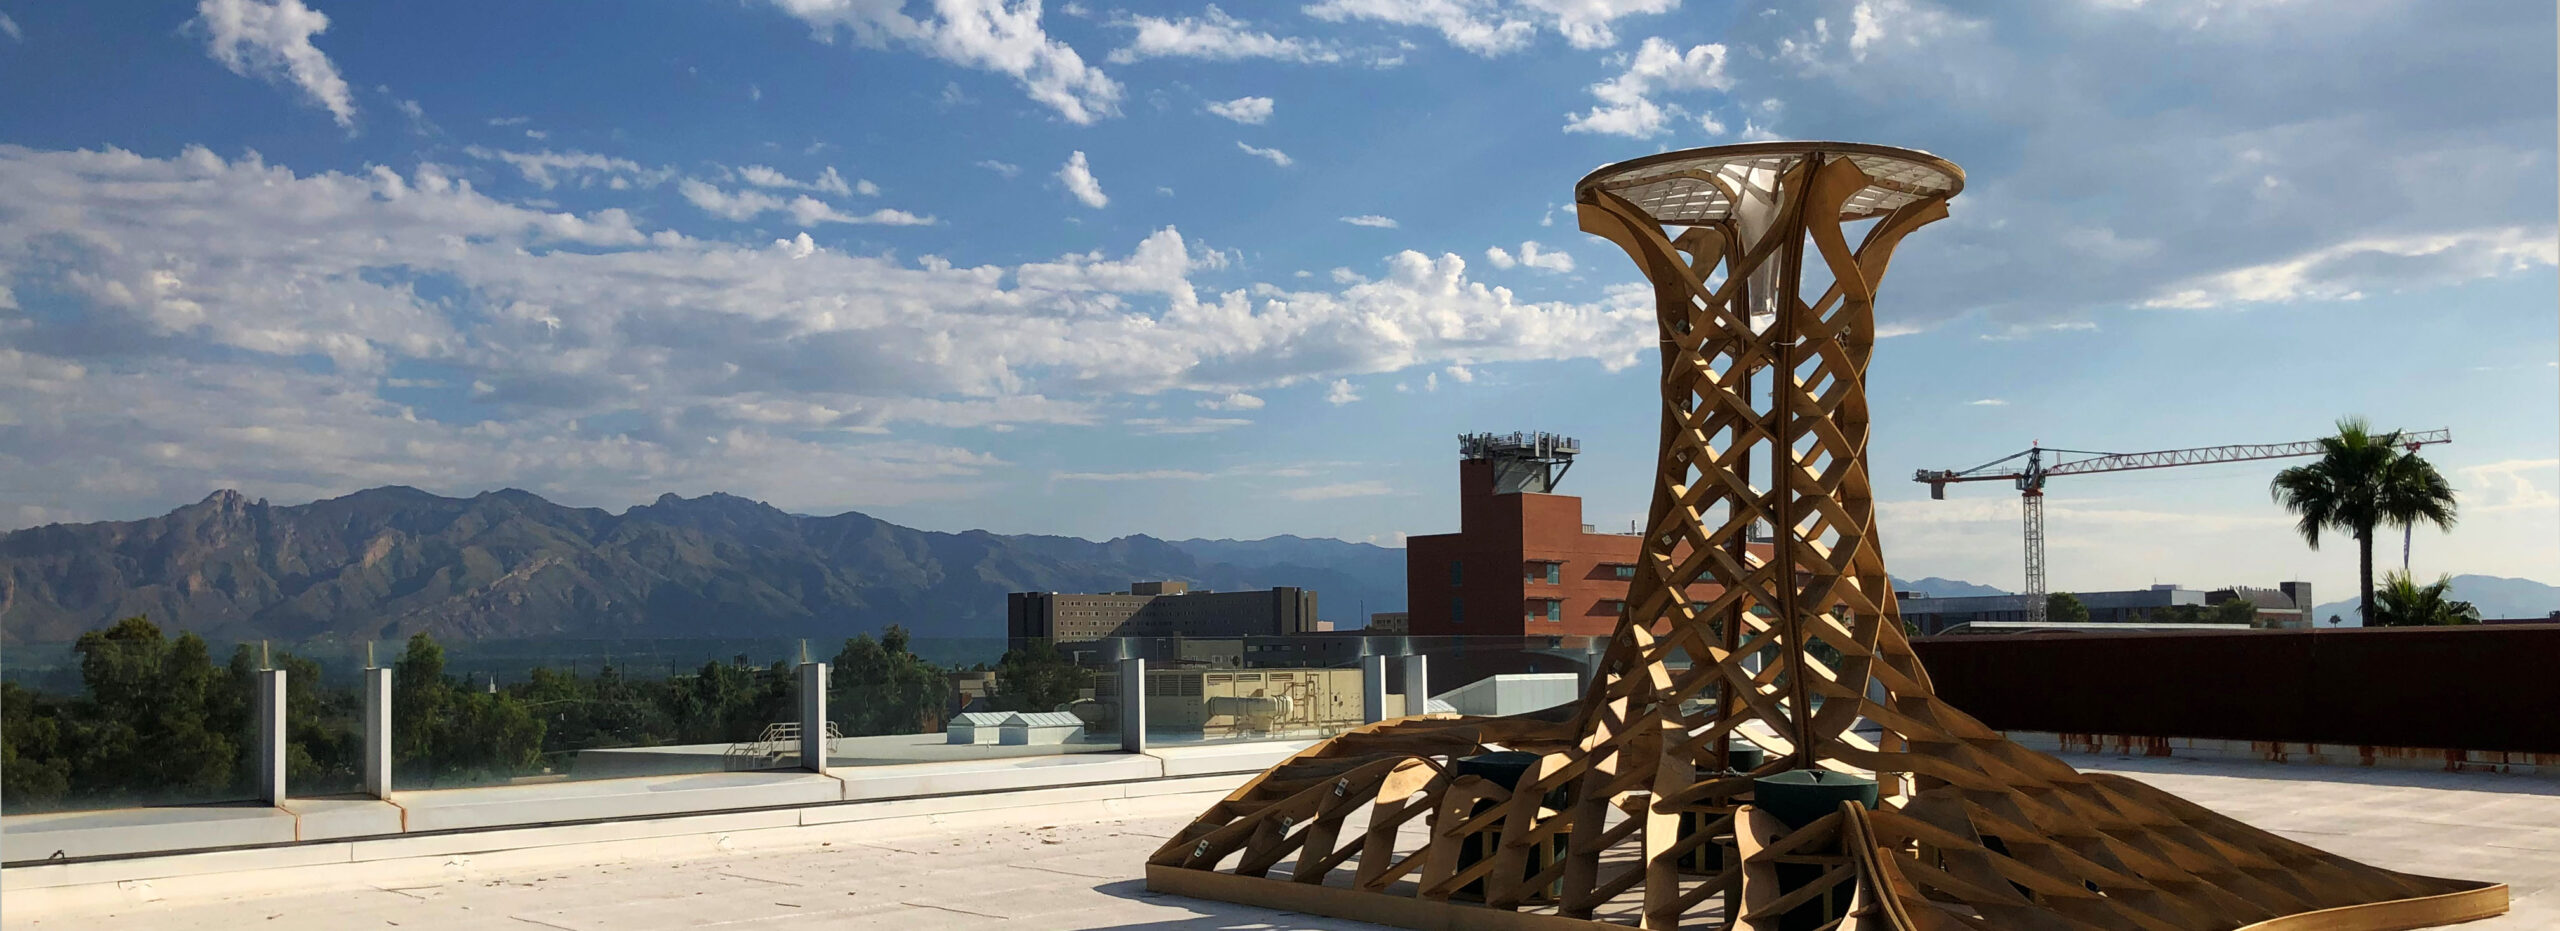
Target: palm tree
point(2403, 602)
point(2360, 480)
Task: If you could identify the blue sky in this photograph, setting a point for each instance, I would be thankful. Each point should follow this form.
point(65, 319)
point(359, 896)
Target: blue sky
point(1097, 269)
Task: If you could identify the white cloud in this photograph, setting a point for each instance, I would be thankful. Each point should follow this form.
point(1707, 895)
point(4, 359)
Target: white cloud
point(991, 35)
point(2511, 485)
point(1184, 425)
point(9, 27)
point(272, 41)
point(1462, 374)
point(1252, 110)
point(1236, 401)
point(1586, 24)
point(1150, 475)
point(549, 169)
point(1369, 489)
point(827, 182)
point(1494, 27)
point(1077, 175)
point(1007, 169)
point(1531, 255)
point(1276, 156)
point(417, 115)
point(2345, 271)
point(1372, 221)
point(589, 353)
point(1341, 393)
point(1987, 402)
point(746, 204)
point(509, 120)
point(1627, 106)
point(1215, 36)
point(1477, 27)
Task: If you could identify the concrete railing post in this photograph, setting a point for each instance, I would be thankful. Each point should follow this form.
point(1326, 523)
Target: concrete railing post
point(1417, 685)
point(377, 733)
point(1373, 688)
point(271, 736)
point(813, 717)
point(1133, 705)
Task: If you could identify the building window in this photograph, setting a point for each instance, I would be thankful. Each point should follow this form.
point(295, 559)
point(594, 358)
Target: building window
point(1555, 609)
point(1457, 575)
point(1624, 573)
point(1457, 610)
point(1555, 573)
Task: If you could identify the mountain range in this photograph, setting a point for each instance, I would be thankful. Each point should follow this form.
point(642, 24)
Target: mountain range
point(2495, 596)
point(392, 561)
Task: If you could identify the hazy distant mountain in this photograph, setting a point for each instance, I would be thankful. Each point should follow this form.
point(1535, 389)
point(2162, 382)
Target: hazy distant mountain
point(391, 561)
point(2495, 596)
point(1936, 587)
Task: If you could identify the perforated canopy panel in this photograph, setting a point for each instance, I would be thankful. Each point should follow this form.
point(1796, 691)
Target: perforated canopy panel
point(1695, 186)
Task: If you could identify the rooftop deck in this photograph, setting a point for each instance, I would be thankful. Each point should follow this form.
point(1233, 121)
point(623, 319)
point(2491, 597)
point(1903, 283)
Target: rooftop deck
point(1078, 865)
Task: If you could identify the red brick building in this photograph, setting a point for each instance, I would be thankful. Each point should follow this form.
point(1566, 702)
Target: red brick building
point(1522, 562)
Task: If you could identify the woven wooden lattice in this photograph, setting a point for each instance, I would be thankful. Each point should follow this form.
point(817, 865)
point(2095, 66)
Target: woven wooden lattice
point(1631, 815)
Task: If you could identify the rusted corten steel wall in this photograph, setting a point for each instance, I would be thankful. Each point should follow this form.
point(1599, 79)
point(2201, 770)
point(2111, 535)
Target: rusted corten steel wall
point(2459, 688)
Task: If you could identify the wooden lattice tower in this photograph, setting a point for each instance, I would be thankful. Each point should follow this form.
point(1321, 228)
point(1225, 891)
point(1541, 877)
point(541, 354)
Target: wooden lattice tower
point(1630, 815)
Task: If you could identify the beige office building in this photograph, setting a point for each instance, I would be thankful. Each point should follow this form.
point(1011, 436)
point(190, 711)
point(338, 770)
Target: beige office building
point(1159, 609)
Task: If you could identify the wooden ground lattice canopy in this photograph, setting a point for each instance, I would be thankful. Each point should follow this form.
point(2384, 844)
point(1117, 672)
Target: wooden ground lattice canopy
point(1655, 802)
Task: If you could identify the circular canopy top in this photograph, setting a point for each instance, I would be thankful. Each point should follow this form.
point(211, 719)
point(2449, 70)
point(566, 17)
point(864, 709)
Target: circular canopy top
point(1695, 186)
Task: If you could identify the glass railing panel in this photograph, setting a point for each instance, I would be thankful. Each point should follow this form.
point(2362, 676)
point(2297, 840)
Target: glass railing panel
point(504, 712)
point(925, 700)
point(130, 715)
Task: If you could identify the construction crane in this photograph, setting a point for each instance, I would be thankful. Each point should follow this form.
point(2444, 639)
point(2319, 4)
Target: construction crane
point(2030, 479)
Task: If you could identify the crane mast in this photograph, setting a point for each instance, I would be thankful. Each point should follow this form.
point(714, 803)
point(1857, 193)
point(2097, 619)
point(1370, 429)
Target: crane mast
point(2031, 474)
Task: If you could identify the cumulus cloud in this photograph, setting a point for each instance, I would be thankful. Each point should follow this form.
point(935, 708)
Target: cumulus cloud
point(1214, 36)
point(1276, 156)
point(990, 35)
point(1627, 106)
point(1077, 175)
point(1252, 110)
point(1530, 255)
point(1371, 220)
point(1006, 169)
point(252, 321)
point(1341, 393)
point(1236, 401)
point(272, 41)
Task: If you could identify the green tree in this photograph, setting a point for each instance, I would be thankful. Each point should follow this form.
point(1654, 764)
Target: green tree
point(1038, 678)
point(880, 687)
point(2065, 608)
point(2402, 602)
point(2362, 480)
point(443, 733)
point(35, 769)
point(159, 716)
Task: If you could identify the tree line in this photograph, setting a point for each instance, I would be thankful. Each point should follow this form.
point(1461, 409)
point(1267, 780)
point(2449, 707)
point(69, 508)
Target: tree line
point(158, 721)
